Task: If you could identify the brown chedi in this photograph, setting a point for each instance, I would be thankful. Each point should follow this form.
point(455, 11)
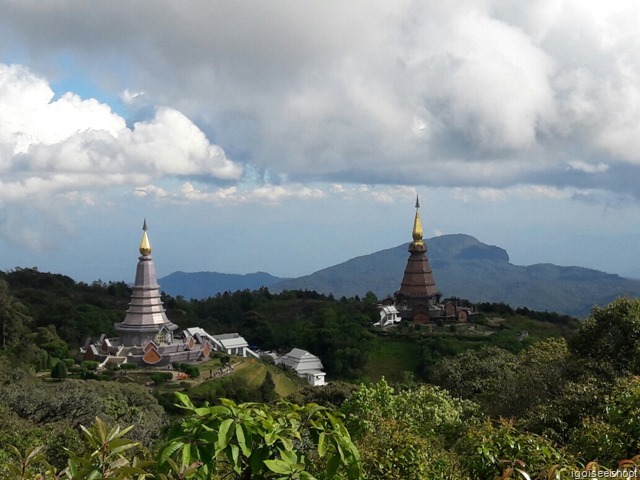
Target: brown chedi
point(418, 297)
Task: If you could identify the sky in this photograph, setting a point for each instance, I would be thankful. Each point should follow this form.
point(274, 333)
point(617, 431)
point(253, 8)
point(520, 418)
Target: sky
point(289, 136)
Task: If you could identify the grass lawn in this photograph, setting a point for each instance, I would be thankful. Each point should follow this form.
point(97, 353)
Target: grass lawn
point(390, 357)
point(253, 373)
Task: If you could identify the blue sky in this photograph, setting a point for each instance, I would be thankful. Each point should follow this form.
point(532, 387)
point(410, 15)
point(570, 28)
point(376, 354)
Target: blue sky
point(290, 136)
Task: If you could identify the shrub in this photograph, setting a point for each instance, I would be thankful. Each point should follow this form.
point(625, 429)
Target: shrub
point(59, 371)
point(90, 365)
point(161, 377)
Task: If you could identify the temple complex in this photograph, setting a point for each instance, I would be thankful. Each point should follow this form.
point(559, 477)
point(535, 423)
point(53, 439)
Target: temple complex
point(147, 336)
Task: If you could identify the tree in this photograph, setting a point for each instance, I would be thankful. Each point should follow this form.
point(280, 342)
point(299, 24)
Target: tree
point(613, 433)
point(427, 410)
point(612, 334)
point(406, 434)
point(478, 375)
point(268, 389)
point(59, 370)
point(13, 318)
point(253, 440)
point(491, 451)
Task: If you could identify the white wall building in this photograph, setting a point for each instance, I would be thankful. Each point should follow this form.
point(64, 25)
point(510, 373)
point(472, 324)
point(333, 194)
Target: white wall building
point(229, 343)
point(389, 315)
point(305, 364)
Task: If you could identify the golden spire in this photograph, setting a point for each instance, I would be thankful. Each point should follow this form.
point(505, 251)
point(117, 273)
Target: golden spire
point(417, 226)
point(145, 245)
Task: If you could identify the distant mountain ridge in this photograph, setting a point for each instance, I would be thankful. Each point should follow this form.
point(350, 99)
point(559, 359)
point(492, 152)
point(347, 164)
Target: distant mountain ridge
point(463, 267)
point(208, 284)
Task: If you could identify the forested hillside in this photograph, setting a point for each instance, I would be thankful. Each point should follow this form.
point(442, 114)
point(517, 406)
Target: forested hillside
point(514, 391)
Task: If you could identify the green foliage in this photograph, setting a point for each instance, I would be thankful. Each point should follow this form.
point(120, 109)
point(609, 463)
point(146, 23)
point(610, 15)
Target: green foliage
point(90, 365)
point(73, 403)
point(268, 389)
point(486, 450)
point(31, 465)
point(342, 341)
point(427, 410)
point(331, 396)
point(611, 333)
point(109, 455)
point(477, 375)
point(252, 440)
point(161, 377)
point(59, 371)
point(506, 384)
point(407, 433)
point(392, 452)
point(14, 319)
point(612, 433)
point(48, 340)
point(228, 386)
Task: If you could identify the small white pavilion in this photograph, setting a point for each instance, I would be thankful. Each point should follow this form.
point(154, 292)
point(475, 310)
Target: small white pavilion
point(306, 365)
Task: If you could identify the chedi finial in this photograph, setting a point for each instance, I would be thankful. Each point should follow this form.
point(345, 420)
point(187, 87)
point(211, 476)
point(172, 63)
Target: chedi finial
point(417, 226)
point(145, 245)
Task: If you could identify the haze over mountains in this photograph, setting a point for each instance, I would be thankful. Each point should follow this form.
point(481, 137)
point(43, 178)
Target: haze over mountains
point(462, 266)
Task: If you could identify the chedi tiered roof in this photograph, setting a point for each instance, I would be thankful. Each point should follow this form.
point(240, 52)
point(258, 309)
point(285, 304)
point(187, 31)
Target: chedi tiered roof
point(418, 287)
point(146, 315)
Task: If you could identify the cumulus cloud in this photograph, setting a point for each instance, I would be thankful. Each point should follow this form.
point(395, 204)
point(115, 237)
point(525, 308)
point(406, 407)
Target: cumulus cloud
point(53, 140)
point(488, 94)
point(65, 150)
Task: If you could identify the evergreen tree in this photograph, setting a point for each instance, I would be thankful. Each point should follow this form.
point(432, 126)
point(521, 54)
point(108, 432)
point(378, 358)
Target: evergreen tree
point(268, 389)
point(13, 318)
point(59, 370)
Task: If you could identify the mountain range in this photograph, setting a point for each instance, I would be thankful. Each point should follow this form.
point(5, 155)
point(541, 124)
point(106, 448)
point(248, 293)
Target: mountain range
point(462, 267)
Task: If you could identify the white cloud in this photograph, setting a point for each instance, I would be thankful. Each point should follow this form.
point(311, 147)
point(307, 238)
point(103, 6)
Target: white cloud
point(488, 93)
point(128, 97)
point(59, 151)
point(70, 136)
point(503, 98)
point(581, 166)
point(29, 116)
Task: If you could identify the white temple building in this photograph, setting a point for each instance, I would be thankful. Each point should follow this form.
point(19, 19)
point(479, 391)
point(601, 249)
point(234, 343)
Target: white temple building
point(305, 364)
point(229, 343)
point(389, 315)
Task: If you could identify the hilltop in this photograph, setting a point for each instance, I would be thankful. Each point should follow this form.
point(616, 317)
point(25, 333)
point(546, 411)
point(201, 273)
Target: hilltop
point(462, 266)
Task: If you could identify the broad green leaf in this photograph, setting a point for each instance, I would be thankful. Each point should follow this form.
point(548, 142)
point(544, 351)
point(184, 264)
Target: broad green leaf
point(184, 401)
point(186, 455)
point(224, 436)
point(287, 443)
point(17, 471)
point(170, 450)
point(288, 456)
point(278, 466)
point(332, 465)
point(94, 475)
point(322, 445)
point(258, 457)
point(242, 441)
point(235, 458)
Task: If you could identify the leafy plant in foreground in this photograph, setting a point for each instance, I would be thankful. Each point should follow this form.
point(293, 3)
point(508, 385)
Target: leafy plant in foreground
point(256, 441)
